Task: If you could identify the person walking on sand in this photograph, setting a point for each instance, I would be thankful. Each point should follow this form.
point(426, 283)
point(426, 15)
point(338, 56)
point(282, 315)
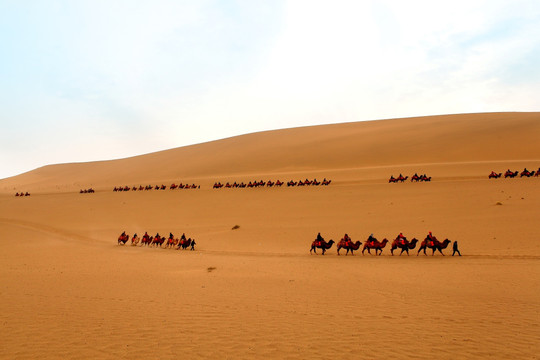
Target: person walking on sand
point(455, 248)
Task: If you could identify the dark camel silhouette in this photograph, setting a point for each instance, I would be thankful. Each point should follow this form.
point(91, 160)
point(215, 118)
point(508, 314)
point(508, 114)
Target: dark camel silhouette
point(321, 244)
point(123, 238)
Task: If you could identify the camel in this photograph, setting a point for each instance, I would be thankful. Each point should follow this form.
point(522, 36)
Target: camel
point(135, 240)
point(433, 245)
point(326, 182)
point(123, 238)
point(374, 244)
point(526, 173)
point(158, 240)
point(494, 175)
point(348, 245)
point(510, 174)
point(321, 244)
point(404, 245)
point(279, 183)
point(171, 242)
point(291, 183)
point(147, 240)
point(184, 244)
point(402, 178)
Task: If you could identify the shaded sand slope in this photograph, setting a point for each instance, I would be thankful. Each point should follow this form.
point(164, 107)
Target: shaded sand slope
point(388, 143)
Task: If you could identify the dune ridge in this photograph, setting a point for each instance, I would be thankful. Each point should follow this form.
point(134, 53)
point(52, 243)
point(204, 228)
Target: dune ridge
point(504, 137)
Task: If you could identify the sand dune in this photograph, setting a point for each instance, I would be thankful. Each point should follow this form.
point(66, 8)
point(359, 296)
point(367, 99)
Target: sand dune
point(481, 138)
point(69, 291)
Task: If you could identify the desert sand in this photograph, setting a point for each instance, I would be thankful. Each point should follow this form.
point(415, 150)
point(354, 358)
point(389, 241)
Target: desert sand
point(251, 289)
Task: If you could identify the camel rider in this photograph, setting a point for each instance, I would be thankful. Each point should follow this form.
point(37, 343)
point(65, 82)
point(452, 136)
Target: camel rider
point(183, 237)
point(319, 239)
point(401, 238)
point(347, 239)
point(431, 239)
point(371, 239)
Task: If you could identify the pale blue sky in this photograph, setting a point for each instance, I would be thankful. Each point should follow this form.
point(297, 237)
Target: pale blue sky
point(95, 80)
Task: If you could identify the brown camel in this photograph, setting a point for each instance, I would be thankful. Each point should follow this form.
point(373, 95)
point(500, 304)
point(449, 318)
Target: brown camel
point(321, 244)
point(123, 238)
point(135, 240)
point(433, 244)
point(404, 245)
point(158, 240)
point(374, 244)
point(348, 245)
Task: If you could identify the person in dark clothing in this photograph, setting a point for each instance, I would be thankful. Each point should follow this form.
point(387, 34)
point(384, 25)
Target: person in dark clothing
point(455, 248)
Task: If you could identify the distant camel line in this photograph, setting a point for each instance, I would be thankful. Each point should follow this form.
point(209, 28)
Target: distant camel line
point(22, 194)
point(157, 241)
point(415, 177)
point(400, 242)
point(173, 186)
point(512, 174)
point(270, 183)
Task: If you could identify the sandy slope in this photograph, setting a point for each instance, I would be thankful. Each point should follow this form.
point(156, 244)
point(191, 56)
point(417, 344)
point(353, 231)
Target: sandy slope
point(68, 291)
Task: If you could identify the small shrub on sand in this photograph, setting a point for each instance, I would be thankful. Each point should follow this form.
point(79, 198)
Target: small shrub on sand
point(235, 227)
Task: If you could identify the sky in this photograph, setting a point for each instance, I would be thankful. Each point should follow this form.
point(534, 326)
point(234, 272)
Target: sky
point(89, 80)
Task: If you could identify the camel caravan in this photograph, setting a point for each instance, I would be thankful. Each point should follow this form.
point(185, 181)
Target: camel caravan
point(512, 174)
point(173, 186)
point(270, 183)
point(400, 242)
point(21, 194)
point(415, 177)
point(158, 241)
